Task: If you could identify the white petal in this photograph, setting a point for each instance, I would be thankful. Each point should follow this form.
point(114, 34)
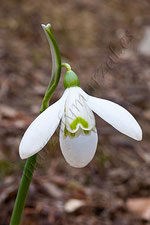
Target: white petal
point(78, 151)
point(117, 116)
point(42, 128)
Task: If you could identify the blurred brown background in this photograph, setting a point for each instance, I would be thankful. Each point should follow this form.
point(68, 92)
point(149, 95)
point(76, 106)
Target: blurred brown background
point(115, 187)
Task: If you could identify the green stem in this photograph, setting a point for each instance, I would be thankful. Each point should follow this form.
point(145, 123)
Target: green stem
point(68, 67)
point(23, 190)
point(31, 162)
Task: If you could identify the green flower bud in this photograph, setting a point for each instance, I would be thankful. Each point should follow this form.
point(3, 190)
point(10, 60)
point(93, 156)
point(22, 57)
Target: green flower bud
point(71, 79)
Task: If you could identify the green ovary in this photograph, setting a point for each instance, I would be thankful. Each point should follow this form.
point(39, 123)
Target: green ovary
point(77, 120)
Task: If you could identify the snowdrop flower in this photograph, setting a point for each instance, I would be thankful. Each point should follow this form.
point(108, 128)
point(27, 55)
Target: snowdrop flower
point(78, 135)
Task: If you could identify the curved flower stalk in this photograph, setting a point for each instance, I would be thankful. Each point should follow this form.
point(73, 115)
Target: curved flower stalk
point(78, 135)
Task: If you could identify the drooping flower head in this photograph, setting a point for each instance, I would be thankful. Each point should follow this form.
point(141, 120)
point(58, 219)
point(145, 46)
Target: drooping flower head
point(78, 135)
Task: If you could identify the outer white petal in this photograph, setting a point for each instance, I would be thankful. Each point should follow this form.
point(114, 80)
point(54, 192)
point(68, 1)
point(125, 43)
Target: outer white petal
point(117, 116)
point(42, 128)
point(78, 151)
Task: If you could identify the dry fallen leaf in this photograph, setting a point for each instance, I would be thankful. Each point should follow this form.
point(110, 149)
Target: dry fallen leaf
point(146, 114)
point(73, 204)
point(53, 190)
point(7, 192)
point(7, 111)
point(140, 206)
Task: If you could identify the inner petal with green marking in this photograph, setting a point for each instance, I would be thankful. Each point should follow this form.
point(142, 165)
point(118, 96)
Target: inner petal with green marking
point(78, 120)
point(77, 115)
